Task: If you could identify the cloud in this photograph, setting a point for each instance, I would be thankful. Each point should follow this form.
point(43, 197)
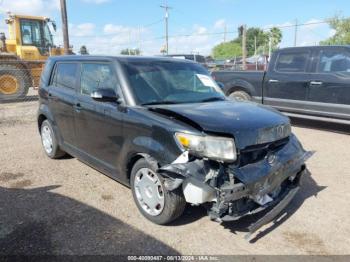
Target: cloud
point(196, 41)
point(220, 24)
point(32, 7)
point(112, 29)
point(82, 30)
point(111, 39)
point(282, 25)
point(310, 32)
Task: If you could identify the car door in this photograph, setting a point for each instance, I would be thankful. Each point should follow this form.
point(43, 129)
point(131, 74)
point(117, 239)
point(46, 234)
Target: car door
point(99, 124)
point(329, 93)
point(286, 83)
point(62, 98)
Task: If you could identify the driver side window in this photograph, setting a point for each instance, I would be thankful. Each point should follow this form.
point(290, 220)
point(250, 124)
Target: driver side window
point(95, 76)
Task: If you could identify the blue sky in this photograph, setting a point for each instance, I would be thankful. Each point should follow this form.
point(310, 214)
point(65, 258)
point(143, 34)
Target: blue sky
point(107, 26)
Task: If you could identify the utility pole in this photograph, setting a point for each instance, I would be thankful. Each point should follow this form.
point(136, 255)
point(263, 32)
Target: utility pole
point(65, 27)
point(254, 45)
point(296, 32)
point(140, 41)
point(129, 51)
point(244, 48)
point(270, 46)
point(166, 19)
point(225, 33)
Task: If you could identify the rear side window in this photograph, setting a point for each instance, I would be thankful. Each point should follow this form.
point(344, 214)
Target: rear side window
point(65, 75)
point(334, 61)
point(292, 62)
point(95, 76)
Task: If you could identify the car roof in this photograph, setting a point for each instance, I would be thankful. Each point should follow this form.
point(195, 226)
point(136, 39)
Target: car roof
point(117, 58)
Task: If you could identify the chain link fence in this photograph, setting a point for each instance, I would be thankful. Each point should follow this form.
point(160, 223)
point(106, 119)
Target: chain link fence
point(19, 81)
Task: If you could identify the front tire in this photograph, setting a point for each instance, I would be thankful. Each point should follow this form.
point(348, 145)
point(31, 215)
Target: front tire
point(49, 141)
point(152, 199)
point(240, 95)
point(14, 82)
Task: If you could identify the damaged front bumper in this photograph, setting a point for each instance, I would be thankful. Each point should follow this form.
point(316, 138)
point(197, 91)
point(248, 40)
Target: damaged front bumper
point(233, 191)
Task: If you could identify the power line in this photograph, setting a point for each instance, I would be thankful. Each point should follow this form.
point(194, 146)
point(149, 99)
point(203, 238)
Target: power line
point(152, 24)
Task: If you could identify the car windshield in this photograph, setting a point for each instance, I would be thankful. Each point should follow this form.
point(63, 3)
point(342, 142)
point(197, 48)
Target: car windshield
point(170, 82)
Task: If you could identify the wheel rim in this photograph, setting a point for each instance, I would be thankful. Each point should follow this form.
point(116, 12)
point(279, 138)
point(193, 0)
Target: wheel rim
point(46, 137)
point(149, 191)
point(238, 97)
point(8, 84)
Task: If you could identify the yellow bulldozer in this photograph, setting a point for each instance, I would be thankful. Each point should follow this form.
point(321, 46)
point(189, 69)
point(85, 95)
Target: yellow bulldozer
point(23, 53)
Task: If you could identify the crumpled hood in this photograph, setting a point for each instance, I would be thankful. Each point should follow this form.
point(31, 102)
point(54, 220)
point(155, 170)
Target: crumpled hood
point(248, 123)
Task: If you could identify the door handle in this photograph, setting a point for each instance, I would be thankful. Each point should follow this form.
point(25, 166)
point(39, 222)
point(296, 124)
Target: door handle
point(316, 83)
point(273, 81)
point(52, 97)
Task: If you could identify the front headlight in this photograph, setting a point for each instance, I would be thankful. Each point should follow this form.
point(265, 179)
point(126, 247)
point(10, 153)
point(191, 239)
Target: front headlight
point(213, 147)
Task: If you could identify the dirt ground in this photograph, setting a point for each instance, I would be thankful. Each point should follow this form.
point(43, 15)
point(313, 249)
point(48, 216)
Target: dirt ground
point(65, 207)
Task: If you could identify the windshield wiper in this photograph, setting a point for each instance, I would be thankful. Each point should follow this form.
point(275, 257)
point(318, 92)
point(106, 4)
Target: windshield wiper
point(165, 102)
point(211, 99)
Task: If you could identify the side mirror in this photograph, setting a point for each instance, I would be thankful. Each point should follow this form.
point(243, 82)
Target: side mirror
point(221, 85)
point(105, 95)
point(54, 25)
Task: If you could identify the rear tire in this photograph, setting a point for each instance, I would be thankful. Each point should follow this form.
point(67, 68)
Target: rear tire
point(173, 201)
point(49, 141)
point(14, 82)
point(240, 95)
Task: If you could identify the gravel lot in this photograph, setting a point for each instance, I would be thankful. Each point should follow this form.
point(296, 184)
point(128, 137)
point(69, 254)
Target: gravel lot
point(65, 207)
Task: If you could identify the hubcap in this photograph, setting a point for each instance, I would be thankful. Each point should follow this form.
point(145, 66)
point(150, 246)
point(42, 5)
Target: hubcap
point(149, 191)
point(8, 84)
point(46, 138)
point(236, 97)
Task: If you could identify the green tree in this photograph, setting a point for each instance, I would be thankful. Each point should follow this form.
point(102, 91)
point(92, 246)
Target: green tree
point(253, 34)
point(227, 50)
point(276, 37)
point(341, 26)
point(259, 39)
point(130, 51)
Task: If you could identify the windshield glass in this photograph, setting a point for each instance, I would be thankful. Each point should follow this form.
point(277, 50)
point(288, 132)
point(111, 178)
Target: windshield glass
point(30, 31)
point(161, 82)
point(36, 33)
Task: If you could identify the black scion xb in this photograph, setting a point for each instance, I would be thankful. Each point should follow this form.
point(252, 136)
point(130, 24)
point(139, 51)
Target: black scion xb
point(163, 127)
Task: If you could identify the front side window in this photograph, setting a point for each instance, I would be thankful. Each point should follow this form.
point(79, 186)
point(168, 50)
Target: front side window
point(292, 62)
point(97, 76)
point(160, 82)
point(334, 62)
point(30, 31)
point(65, 76)
point(48, 36)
